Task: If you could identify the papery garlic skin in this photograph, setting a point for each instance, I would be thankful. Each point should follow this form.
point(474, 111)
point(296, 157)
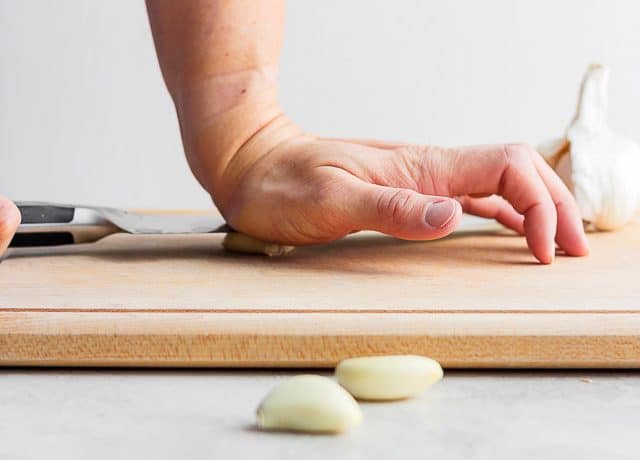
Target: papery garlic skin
point(606, 188)
point(601, 168)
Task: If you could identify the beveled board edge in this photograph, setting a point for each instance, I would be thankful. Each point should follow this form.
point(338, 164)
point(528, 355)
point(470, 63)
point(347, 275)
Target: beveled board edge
point(524, 339)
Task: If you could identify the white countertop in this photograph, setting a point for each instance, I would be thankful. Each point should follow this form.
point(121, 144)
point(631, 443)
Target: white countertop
point(209, 414)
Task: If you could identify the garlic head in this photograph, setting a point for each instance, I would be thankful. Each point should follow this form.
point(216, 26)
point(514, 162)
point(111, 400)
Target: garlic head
point(600, 167)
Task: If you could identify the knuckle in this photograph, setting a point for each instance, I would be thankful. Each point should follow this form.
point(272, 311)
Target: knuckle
point(565, 205)
point(410, 164)
point(411, 151)
point(395, 206)
point(418, 156)
point(518, 151)
point(423, 166)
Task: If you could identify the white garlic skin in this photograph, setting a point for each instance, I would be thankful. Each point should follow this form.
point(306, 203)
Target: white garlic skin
point(602, 168)
point(606, 187)
point(309, 403)
point(388, 377)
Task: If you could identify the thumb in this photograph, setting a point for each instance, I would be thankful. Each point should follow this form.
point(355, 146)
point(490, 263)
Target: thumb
point(9, 220)
point(401, 212)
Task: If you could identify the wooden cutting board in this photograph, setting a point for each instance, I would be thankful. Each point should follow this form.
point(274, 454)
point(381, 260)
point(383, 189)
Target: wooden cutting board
point(475, 299)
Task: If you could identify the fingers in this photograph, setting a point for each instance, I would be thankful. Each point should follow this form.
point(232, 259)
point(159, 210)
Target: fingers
point(494, 207)
point(570, 232)
point(516, 173)
point(9, 221)
point(401, 212)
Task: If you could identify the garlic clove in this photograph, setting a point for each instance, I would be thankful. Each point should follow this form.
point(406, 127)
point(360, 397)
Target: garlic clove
point(240, 242)
point(388, 377)
point(309, 403)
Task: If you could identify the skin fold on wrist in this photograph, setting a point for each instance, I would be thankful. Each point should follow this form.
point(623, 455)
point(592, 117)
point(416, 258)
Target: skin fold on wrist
point(219, 116)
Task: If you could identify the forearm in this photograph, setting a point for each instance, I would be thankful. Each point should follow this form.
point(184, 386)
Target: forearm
point(219, 59)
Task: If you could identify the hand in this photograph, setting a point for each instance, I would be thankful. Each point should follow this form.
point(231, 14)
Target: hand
point(271, 181)
point(9, 221)
point(288, 187)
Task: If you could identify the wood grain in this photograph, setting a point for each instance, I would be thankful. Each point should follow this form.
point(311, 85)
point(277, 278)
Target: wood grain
point(476, 299)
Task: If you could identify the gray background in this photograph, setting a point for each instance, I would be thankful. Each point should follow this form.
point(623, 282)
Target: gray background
point(207, 414)
point(84, 115)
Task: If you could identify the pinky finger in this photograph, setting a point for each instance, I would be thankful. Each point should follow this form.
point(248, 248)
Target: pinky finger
point(494, 207)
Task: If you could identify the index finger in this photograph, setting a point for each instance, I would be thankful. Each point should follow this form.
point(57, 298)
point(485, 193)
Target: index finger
point(509, 171)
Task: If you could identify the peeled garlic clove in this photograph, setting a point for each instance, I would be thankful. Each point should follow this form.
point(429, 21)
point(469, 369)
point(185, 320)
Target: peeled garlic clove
point(388, 377)
point(600, 167)
point(309, 403)
point(239, 242)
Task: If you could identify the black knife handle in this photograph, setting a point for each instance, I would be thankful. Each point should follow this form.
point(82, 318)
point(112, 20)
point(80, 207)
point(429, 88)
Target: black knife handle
point(45, 213)
point(26, 240)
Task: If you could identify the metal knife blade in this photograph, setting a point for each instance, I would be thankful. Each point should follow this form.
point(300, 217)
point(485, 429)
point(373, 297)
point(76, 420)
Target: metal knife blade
point(52, 224)
point(137, 223)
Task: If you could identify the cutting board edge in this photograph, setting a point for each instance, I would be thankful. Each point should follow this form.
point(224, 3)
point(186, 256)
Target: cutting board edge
point(472, 340)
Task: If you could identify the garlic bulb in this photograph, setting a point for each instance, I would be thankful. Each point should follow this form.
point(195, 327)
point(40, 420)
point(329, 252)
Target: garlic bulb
point(600, 167)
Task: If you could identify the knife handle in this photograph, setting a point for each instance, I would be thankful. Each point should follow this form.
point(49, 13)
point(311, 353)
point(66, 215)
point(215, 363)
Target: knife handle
point(44, 213)
point(49, 224)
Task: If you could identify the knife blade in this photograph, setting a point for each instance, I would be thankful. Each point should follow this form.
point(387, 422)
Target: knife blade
point(52, 224)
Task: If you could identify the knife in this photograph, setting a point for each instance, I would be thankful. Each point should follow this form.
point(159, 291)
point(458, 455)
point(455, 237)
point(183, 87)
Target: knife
point(51, 224)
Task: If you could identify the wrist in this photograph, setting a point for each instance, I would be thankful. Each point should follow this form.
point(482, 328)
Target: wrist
point(218, 114)
point(201, 101)
point(227, 122)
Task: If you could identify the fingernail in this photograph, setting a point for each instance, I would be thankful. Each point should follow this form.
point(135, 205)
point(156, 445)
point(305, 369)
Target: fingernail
point(440, 213)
